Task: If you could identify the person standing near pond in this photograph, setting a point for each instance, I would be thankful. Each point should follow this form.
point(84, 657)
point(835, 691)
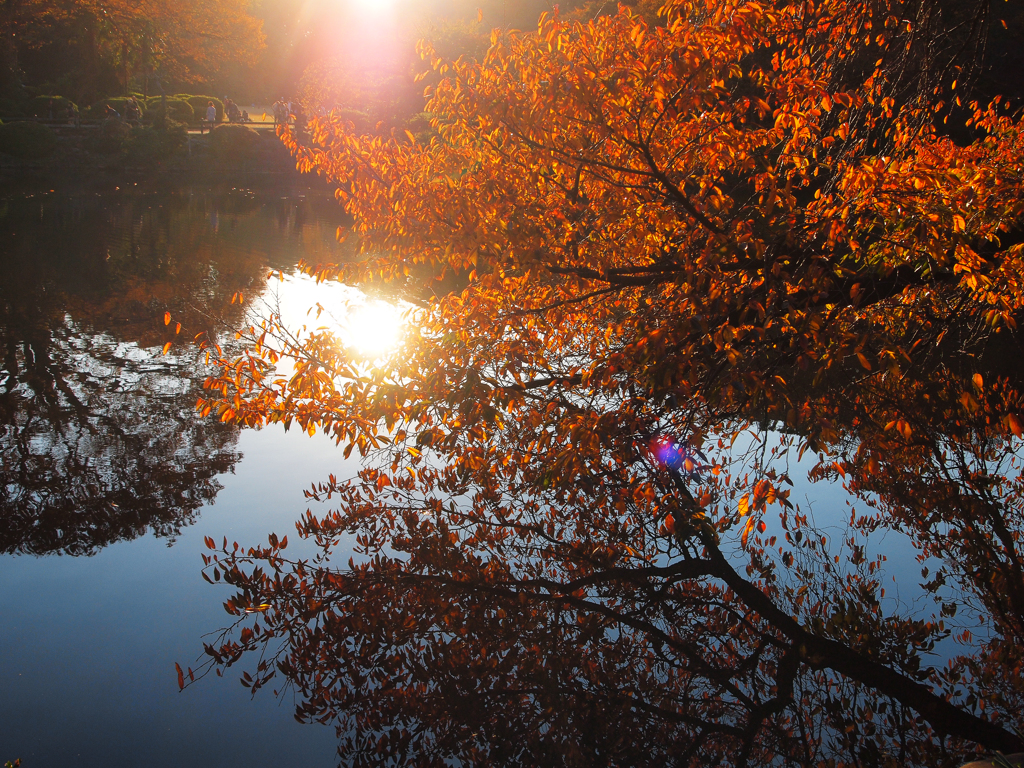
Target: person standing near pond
point(132, 111)
point(211, 118)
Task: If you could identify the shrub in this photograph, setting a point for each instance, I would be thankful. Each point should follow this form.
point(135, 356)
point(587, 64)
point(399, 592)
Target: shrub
point(178, 110)
point(149, 144)
point(200, 103)
point(233, 140)
point(114, 128)
point(40, 107)
point(110, 138)
point(29, 141)
point(361, 120)
point(118, 103)
point(11, 108)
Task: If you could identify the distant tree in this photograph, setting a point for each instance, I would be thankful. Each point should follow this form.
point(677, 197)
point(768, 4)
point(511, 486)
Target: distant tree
point(182, 42)
point(686, 255)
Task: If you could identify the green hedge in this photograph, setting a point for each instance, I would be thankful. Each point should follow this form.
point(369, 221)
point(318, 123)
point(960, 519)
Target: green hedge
point(181, 107)
point(29, 141)
point(200, 103)
point(119, 103)
point(11, 108)
point(233, 140)
point(147, 144)
point(40, 107)
point(178, 110)
point(110, 137)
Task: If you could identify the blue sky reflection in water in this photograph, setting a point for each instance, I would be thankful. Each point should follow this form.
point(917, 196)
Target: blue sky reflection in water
point(89, 643)
point(110, 483)
point(847, 551)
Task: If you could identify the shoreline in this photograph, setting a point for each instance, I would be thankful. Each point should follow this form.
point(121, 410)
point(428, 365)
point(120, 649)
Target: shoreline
point(74, 156)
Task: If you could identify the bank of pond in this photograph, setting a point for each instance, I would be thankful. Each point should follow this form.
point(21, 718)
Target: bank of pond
point(122, 133)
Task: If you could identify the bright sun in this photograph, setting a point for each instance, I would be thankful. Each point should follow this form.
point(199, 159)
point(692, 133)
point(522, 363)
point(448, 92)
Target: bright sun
point(373, 328)
point(371, 7)
point(368, 328)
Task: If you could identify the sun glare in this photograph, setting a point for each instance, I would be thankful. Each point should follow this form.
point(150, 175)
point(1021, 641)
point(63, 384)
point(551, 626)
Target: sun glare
point(373, 328)
point(368, 328)
point(372, 7)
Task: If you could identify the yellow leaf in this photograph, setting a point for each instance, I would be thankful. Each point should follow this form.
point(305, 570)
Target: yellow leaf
point(746, 531)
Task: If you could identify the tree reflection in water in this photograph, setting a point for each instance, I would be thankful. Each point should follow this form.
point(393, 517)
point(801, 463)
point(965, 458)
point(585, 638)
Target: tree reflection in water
point(98, 439)
point(99, 443)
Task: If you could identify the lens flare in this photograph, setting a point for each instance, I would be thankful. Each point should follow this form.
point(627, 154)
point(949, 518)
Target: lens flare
point(678, 456)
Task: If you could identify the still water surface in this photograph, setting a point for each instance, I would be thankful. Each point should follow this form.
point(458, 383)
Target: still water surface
point(110, 482)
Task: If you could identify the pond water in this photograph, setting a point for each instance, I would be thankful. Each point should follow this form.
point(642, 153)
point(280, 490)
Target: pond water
point(110, 481)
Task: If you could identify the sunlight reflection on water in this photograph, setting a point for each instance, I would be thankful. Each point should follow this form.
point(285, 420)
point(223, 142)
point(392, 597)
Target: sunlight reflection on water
point(369, 328)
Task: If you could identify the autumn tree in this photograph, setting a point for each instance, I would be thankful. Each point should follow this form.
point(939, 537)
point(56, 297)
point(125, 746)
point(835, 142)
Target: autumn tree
point(660, 269)
point(179, 42)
